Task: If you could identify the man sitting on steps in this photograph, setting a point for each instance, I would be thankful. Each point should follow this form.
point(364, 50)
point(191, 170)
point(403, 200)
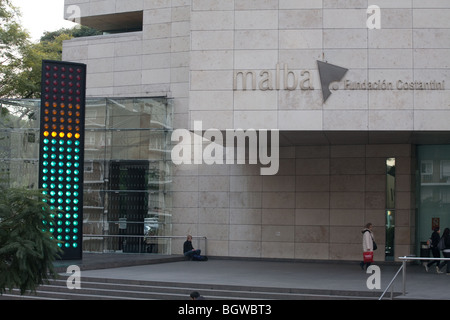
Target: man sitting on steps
point(190, 252)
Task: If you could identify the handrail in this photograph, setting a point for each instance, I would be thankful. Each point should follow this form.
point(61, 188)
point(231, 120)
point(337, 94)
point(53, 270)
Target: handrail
point(144, 237)
point(140, 236)
point(391, 283)
point(405, 259)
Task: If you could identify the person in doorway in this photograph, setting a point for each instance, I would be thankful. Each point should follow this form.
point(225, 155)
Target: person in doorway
point(188, 249)
point(434, 249)
point(446, 250)
point(368, 243)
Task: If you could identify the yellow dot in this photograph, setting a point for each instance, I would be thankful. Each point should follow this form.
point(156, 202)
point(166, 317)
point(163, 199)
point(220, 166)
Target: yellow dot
point(54, 134)
point(46, 133)
point(77, 135)
point(61, 134)
point(69, 135)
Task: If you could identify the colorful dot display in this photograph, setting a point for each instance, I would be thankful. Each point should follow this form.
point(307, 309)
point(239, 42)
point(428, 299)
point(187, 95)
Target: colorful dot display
point(61, 159)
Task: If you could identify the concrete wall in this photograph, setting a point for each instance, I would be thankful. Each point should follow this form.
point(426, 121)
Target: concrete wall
point(191, 50)
point(314, 208)
point(257, 35)
point(151, 62)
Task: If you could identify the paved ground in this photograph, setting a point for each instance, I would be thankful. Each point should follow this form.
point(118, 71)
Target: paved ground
point(304, 275)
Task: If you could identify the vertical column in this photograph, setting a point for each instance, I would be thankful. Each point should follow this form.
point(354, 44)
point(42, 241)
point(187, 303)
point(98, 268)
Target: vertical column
point(61, 158)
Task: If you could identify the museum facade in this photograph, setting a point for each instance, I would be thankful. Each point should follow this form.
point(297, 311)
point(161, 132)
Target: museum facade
point(349, 104)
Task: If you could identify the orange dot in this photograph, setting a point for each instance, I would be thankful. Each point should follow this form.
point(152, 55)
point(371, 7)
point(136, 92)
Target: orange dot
point(69, 135)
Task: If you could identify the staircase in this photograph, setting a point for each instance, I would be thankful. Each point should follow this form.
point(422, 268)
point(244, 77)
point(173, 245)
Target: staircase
point(117, 289)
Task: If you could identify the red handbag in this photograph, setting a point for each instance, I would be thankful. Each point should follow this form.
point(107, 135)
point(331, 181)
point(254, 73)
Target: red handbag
point(368, 256)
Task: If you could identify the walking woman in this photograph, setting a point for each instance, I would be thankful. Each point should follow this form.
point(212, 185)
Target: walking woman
point(434, 249)
point(446, 250)
point(368, 244)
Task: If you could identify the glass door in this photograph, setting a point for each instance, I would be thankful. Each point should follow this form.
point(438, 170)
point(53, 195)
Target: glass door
point(433, 199)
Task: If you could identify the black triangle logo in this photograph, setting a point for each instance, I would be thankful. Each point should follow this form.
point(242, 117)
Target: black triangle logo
point(329, 73)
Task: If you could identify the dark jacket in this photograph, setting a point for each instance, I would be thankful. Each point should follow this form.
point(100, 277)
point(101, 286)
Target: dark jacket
point(435, 239)
point(187, 246)
point(447, 242)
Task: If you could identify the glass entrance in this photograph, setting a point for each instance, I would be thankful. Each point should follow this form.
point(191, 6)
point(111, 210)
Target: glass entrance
point(127, 204)
point(433, 200)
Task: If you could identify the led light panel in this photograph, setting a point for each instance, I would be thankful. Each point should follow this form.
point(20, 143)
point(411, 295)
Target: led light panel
point(61, 157)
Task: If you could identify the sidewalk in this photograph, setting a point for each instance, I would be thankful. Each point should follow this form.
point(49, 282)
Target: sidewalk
point(298, 275)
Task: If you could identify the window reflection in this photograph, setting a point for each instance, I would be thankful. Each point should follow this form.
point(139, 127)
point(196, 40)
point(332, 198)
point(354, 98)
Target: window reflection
point(127, 168)
point(434, 190)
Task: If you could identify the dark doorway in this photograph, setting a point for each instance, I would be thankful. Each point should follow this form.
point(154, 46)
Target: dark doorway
point(129, 202)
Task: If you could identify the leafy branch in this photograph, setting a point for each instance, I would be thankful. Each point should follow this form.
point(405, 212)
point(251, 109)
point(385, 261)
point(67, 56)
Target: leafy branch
point(27, 248)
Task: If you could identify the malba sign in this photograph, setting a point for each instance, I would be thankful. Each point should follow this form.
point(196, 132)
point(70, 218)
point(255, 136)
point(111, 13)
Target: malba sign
point(283, 78)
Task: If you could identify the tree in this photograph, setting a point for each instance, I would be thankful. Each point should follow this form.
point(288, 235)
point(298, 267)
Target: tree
point(13, 41)
point(75, 32)
point(27, 248)
point(48, 48)
point(21, 59)
point(28, 79)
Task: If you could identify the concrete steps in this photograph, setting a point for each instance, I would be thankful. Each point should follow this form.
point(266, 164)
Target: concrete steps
point(117, 289)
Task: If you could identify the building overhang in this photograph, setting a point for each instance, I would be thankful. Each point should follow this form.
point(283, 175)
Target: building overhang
point(127, 21)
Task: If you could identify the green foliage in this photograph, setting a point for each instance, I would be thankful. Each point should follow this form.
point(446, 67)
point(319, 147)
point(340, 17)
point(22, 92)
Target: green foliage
point(75, 32)
point(21, 59)
point(48, 48)
point(28, 79)
point(13, 42)
point(27, 248)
